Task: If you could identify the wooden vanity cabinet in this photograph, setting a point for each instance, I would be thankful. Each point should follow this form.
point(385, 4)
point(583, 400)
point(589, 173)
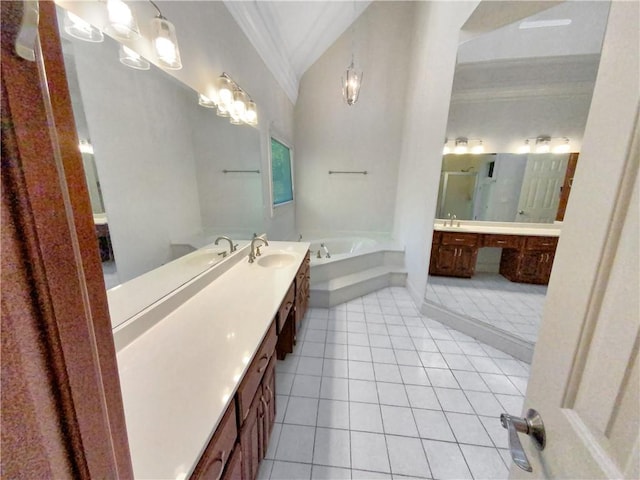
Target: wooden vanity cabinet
point(293, 309)
point(220, 450)
point(454, 254)
point(532, 263)
point(302, 290)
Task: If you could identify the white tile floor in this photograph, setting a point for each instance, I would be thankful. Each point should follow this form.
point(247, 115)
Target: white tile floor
point(375, 390)
point(513, 307)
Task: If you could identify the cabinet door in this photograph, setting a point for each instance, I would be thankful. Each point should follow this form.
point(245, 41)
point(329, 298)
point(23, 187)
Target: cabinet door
point(446, 260)
point(251, 438)
point(544, 269)
point(269, 405)
point(234, 465)
point(466, 262)
point(529, 266)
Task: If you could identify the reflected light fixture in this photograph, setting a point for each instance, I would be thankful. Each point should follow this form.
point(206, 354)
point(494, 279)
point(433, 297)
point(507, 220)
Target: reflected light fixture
point(461, 146)
point(563, 147)
point(543, 144)
point(205, 101)
point(477, 148)
point(122, 23)
point(446, 150)
point(165, 42)
point(78, 28)
point(525, 148)
point(85, 146)
point(132, 59)
point(352, 80)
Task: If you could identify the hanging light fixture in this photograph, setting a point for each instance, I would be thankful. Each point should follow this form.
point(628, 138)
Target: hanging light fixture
point(165, 42)
point(461, 146)
point(352, 80)
point(78, 28)
point(122, 23)
point(132, 59)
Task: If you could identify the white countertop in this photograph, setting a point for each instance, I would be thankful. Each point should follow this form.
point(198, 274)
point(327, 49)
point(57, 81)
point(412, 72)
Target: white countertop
point(503, 228)
point(178, 377)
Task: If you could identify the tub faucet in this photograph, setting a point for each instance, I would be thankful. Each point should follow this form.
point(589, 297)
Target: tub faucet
point(232, 247)
point(326, 250)
point(255, 251)
point(300, 238)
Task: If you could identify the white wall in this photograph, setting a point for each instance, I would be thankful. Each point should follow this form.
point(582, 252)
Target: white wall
point(436, 31)
point(366, 136)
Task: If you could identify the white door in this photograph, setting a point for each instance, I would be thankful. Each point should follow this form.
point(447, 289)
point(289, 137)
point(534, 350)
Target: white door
point(540, 193)
point(585, 373)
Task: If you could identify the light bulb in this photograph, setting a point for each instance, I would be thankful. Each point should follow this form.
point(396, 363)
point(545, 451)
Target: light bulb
point(239, 106)
point(526, 148)
point(564, 147)
point(251, 114)
point(478, 148)
point(225, 93)
point(351, 85)
point(121, 20)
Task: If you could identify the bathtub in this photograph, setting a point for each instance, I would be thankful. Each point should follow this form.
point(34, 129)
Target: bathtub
point(340, 247)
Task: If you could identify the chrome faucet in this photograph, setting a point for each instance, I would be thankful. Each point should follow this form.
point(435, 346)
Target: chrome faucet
point(453, 217)
point(326, 250)
point(255, 251)
point(232, 247)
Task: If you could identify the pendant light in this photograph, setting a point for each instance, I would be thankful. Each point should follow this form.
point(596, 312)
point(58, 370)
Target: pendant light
point(165, 42)
point(78, 28)
point(352, 80)
point(122, 23)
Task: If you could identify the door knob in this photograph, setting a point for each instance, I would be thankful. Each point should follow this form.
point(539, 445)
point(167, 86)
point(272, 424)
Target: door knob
point(531, 425)
point(520, 212)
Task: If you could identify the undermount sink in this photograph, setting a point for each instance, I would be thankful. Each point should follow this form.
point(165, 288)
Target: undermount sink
point(276, 260)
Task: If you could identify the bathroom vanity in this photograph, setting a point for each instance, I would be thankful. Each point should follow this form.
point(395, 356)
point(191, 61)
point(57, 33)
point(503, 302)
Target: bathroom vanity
point(198, 375)
point(527, 255)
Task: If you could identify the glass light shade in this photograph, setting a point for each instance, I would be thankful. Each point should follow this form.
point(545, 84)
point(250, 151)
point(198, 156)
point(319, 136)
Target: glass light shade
point(132, 59)
point(543, 145)
point(239, 107)
point(165, 43)
point(351, 83)
point(461, 146)
point(78, 28)
point(85, 147)
point(526, 148)
point(251, 113)
point(222, 111)
point(234, 120)
point(122, 23)
point(225, 92)
point(477, 148)
point(205, 101)
point(564, 147)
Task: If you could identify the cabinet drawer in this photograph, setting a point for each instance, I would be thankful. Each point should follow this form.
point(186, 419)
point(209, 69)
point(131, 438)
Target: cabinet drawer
point(469, 239)
point(502, 241)
point(220, 447)
point(541, 243)
point(234, 465)
point(437, 237)
point(254, 374)
point(285, 306)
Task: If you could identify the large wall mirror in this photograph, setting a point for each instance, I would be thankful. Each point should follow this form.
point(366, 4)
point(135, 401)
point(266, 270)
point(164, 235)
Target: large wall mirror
point(529, 79)
point(164, 173)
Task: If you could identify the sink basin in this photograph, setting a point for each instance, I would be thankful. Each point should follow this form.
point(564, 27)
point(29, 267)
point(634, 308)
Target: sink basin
point(276, 260)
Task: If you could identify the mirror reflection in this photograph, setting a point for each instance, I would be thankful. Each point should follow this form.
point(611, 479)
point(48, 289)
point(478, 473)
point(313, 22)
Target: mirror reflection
point(503, 187)
point(154, 161)
point(515, 89)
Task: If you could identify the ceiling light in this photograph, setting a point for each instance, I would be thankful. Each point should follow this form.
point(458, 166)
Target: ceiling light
point(561, 22)
point(122, 23)
point(526, 148)
point(78, 28)
point(461, 146)
point(352, 80)
point(132, 59)
point(543, 145)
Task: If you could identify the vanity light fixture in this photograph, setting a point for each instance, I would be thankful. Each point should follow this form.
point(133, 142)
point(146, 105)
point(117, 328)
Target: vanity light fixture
point(225, 95)
point(446, 150)
point(251, 114)
point(205, 101)
point(562, 147)
point(239, 107)
point(132, 59)
point(232, 101)
point(165, 42)
point(477, 147)
point(462, 146)
point(78, 28)
point(543, 144)
point(525, 148)
point(122, 23)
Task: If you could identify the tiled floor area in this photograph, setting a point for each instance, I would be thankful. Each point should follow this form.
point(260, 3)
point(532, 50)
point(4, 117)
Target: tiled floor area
point(512, 307)
point(375, 390)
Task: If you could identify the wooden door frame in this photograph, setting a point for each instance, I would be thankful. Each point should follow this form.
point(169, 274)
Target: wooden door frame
point(62, 412)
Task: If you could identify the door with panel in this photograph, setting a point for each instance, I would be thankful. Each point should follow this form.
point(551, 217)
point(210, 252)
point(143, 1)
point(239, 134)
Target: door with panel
point(585, 372)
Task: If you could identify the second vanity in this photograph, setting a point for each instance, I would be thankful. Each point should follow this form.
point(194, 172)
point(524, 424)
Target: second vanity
point(198, 376)
point(527, 255)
